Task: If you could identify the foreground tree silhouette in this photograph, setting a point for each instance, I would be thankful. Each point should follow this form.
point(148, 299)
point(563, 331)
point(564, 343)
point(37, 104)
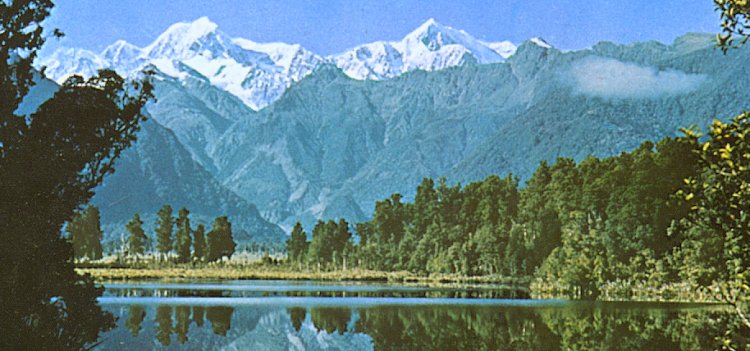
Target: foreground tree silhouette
point(50, 162)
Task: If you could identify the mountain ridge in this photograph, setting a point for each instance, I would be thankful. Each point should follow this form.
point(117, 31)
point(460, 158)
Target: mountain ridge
point(259, 73)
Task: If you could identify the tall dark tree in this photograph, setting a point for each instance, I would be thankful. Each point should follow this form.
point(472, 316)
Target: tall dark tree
point(320, 251)
point(164, 226)
point(199, 243)
point(50, 163)
point(183, 239)
point(297, 244)
point(220, 240)
point(342, 243)
point(85, 233)
point(137, 238)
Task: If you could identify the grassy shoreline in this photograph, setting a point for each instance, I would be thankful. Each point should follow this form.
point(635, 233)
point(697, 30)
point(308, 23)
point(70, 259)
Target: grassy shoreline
point(677, 293)
point(104, 274)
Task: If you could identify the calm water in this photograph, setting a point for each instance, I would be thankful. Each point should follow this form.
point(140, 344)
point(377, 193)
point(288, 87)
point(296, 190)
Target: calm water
point(316, 316)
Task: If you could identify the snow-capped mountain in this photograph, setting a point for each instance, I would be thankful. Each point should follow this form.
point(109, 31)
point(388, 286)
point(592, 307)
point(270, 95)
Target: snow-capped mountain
point(430, 47)
point(259, 73)
point(65, 62)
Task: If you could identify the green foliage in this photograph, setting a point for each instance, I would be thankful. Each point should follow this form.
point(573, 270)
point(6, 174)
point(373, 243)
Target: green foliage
point(735, 22)
point(296, 246)
point(220, 241)
point(50, 163)
point(716, 250)
point(85, 234)
point(199, 243)
point(331, 244)
point(183, 239)
point(720, 194)
point(137, 239)
point(576, 227)
point(164, 224)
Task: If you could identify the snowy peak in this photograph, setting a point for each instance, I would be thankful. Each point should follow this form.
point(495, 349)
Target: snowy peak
point(66, 62)
point(433, 35)
point(293, 58)
point(122, 56)
point(183, 39)
point(121, 49)
point(540, 42)
point(260, 73)
point(504, 48)
point(430, 47)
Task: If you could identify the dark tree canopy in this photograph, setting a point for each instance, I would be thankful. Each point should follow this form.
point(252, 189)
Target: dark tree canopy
point(297, 244)
point(50, 162)
point(164, 227)
point(199, 243)
point(220, 240)
point(183, 238)
point(137, 240)
point(85, 233)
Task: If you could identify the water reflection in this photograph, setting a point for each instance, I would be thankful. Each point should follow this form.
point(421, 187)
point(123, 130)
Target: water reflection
point(136, 315)
point(574, 326)
point(250, 291)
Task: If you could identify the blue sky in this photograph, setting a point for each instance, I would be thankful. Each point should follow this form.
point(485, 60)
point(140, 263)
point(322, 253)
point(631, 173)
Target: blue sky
point(332, 26)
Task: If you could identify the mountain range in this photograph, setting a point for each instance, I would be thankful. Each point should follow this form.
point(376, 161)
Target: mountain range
point(306, 137)
point(259, 73)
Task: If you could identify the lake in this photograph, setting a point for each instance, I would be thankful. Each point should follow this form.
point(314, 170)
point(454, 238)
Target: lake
point(284, 315)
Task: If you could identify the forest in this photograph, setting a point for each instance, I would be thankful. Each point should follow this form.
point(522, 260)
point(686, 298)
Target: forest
point(667, 213)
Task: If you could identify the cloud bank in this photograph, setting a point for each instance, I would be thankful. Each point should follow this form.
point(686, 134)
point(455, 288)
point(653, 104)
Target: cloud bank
point(610, 78)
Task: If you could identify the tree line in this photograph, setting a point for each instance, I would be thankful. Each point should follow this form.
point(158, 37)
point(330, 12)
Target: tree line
point(577, 228)
point(174, 235)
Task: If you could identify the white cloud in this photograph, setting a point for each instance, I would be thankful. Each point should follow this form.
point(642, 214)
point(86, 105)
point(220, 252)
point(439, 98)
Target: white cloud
point(610, 78)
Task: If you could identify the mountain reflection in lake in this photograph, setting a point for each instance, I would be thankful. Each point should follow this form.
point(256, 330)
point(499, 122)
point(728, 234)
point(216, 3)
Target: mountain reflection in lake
point(281, 322)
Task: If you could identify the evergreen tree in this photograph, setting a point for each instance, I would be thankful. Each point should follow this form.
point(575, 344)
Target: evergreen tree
point(183, 238)
point(297, 244)
point(164, 224)
point(321, 248)
point(137, 239)
point(77, 235)
point(199, 243)
point(220, 240)
point(95, 235)
point(86, 234)
point(342, 243)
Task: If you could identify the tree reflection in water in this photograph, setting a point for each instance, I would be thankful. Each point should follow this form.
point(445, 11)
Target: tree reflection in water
point(136, 315)
point(576, 326)
point(297, 315)
point(220, 318)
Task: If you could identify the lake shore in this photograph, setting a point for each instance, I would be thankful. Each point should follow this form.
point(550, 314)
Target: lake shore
point(103, 274)
point(681, 292)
